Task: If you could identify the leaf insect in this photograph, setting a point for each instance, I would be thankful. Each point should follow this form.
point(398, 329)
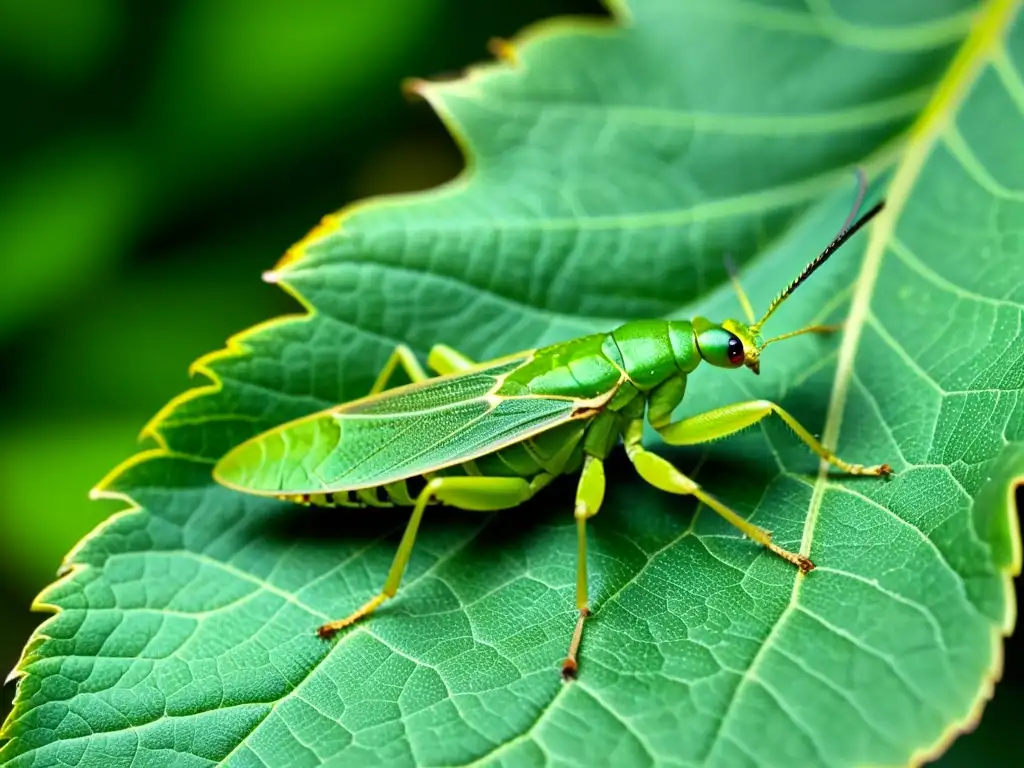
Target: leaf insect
point(488, 436)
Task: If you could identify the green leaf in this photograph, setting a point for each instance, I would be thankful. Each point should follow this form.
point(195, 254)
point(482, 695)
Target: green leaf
point(610, 168)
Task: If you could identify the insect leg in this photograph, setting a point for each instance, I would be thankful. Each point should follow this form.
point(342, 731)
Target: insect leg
point(475, 493)
point(589, 495)
point(666, 477)
point(402, 356)
point(705, 427)
point(445, 360)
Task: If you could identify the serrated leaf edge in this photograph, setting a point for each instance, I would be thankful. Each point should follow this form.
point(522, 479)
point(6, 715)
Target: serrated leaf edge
point(984, 36)
point(235, 346)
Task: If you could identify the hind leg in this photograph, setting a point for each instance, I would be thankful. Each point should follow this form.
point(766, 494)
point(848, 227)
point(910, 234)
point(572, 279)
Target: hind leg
point(589, 495)
point(446, 360)
point(485, 494)
point(403, 358)
point(666, 477)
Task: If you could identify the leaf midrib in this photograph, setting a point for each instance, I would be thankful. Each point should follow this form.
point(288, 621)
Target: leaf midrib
point(976, 50)
point(822, 21)
point(949, 94)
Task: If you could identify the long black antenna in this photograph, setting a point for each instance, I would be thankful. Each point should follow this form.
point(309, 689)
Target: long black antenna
point(862, 191)
point(822, 257)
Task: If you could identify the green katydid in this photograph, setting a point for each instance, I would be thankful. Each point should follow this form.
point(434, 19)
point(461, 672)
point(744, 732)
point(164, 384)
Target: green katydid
point(488, 436)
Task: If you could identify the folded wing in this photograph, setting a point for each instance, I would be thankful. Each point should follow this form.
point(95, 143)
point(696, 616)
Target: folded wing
point(398, 434)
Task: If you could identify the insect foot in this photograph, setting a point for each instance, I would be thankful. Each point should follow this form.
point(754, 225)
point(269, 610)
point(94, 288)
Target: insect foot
point(570, 668)
point(331, 628)
point(878, 470)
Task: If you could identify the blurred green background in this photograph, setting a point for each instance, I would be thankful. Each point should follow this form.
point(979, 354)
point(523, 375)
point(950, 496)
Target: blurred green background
point(155, 158)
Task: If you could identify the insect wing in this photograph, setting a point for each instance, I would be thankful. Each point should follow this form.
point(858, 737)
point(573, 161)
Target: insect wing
point(392, 436)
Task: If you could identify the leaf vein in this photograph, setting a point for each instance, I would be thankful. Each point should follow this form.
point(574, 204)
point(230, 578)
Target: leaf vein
point(768, 125)
point(885, 658)
point(959, 148)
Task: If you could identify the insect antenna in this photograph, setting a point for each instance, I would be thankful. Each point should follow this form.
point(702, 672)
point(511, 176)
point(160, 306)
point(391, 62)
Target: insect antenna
point(845, 234)
point(862, 191)
point(734, 278)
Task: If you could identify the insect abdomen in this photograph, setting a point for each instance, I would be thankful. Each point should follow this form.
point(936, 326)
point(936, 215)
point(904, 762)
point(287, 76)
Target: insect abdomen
point(551, 453)
point(393, 494)
point(576, 369)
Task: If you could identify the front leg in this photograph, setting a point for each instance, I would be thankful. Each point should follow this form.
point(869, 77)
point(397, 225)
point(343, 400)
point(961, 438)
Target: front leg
point(666, 477)
point(445, 360)
point(711, 425)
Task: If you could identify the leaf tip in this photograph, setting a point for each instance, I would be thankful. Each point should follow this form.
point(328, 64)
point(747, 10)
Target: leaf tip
point(328, 225)
point(106, 487)
point(506, 52)
point(14, 675)
point(503, 49)
point(414, 88)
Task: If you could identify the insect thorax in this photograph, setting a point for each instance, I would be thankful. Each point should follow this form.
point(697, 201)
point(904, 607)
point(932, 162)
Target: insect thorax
point(652, 351)
point(605, 374)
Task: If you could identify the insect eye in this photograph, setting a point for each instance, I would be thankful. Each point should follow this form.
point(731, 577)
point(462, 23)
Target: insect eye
point(721, 347)
point(734, 350)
